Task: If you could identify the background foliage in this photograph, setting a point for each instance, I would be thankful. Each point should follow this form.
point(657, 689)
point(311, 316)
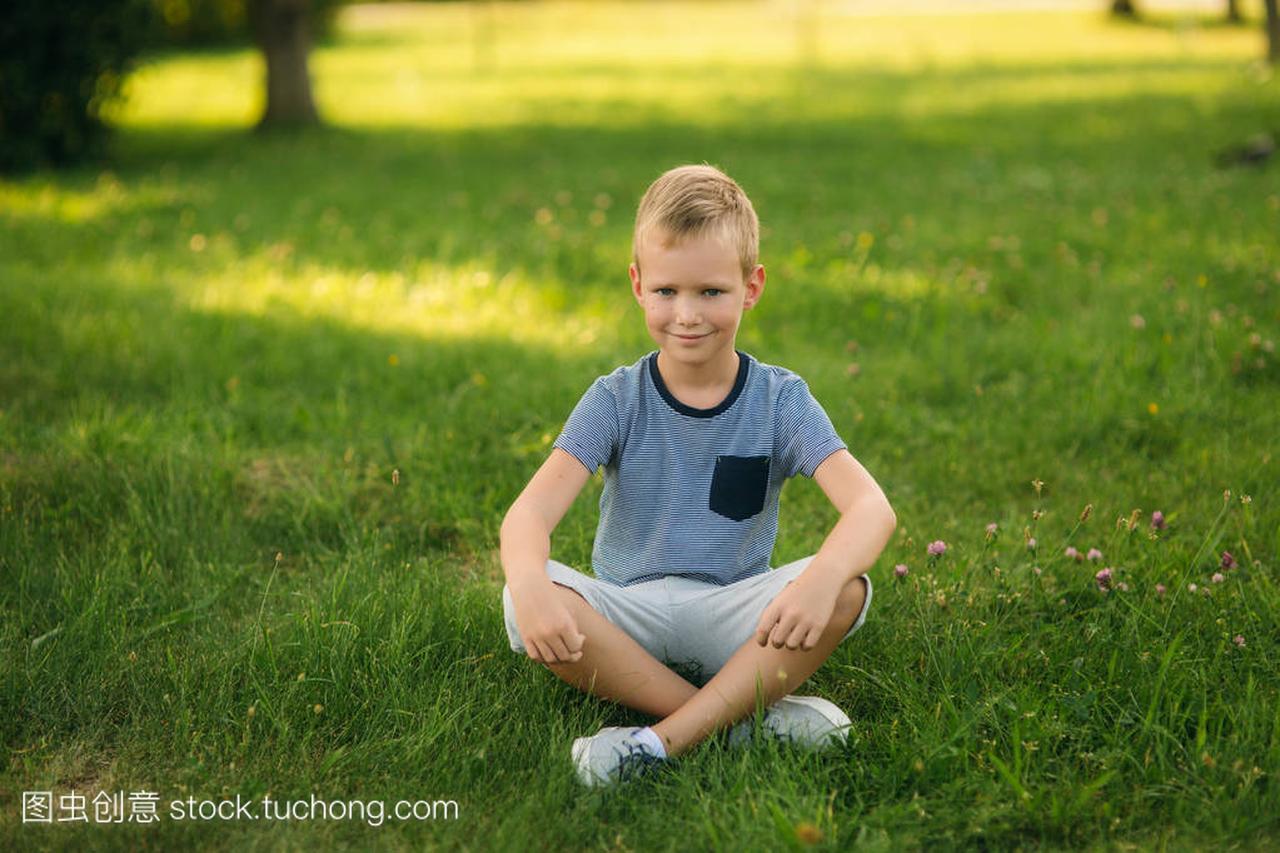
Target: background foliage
point(263, 403)
point(61, 64)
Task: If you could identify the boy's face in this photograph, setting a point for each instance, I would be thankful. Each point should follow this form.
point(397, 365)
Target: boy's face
point(693, 295)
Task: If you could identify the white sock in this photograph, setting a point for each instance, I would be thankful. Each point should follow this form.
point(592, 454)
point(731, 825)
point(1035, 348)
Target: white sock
point(650, 739)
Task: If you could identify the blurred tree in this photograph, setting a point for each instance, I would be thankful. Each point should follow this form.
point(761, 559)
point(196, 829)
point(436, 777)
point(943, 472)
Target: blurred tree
point(282, 30)
point(1233, 11)
point(199, 22)
point(1124, 8)
point(202, 23)
point(1273, 32)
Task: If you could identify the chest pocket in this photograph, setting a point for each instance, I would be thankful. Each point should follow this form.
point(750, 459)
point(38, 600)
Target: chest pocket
point(738, 486)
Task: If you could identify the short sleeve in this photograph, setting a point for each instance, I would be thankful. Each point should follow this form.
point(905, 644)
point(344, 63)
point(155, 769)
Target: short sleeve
point(805, 435)
point(591, 433)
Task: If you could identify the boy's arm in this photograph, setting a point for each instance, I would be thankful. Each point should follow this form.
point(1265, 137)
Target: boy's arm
point(525, 538)
point(866, 521)
point(799, 614)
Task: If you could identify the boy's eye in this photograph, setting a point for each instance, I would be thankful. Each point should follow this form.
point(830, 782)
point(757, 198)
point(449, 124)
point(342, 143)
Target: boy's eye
point(713, 291)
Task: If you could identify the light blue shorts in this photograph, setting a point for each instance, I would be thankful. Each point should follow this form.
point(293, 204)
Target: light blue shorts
point(692, 626)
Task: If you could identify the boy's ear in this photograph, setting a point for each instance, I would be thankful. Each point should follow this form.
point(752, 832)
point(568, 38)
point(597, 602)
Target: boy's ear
point(634, 272)
point(755, 287)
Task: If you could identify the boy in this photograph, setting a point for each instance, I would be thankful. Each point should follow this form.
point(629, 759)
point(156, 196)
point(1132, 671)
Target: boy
point(697, 439)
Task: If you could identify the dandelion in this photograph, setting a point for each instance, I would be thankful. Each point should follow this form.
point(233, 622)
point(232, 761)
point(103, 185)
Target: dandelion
point(1094, 554)
point(1072, 554)
point(937, 548)
point(1103, 578)
point(901, 570)
point(1157, 520)
point(1191, 587)
point(1031, 544)
point(1161, 590)
point(1218, 577)
point(1228, 561)
point(991, 529)
point(1238, 640)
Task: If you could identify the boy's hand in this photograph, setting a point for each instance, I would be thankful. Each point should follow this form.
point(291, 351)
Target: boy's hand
point(798, 615)
point(546, 626)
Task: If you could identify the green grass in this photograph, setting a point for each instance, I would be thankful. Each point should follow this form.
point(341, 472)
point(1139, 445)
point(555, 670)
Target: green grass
point(217, 352)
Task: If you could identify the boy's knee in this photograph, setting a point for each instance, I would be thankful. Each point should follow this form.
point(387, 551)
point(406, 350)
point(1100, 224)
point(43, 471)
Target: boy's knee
point(571, 597)
point(850, 601)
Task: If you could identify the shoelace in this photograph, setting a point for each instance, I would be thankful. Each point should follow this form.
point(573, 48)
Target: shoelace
point(635, 761)
point(770, 724)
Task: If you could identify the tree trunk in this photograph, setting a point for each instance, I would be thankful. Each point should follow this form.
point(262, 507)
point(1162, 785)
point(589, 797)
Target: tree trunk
point(1124, 8)
point(283, 33)
point(1233, 11)
point(1273, 32)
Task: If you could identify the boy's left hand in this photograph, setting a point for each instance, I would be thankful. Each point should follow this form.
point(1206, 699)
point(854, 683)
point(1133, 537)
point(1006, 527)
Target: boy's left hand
point(798, 615)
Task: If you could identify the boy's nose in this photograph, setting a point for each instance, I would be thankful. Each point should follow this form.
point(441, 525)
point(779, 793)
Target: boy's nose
point(687, 315)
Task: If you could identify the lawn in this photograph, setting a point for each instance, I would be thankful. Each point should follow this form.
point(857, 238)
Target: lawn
point(264, 402)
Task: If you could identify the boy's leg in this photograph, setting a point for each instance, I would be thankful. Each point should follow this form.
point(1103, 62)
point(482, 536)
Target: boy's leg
point(613, 666)
point(731, 694)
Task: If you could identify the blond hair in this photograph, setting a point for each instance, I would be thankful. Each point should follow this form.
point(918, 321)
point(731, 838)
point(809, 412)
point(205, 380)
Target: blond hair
point(694, 201)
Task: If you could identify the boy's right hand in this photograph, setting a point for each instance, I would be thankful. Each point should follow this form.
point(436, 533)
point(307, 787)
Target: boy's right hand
point(547, 628)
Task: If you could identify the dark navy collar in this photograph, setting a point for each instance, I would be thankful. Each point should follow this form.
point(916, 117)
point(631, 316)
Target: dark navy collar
point(739, 383)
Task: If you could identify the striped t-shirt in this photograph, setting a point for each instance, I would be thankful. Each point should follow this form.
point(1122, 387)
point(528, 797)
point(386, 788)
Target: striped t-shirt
point(687, 491)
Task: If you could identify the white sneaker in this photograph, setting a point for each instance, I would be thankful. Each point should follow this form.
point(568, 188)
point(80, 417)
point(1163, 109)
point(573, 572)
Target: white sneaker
point(810, 722)
point(612, 755)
